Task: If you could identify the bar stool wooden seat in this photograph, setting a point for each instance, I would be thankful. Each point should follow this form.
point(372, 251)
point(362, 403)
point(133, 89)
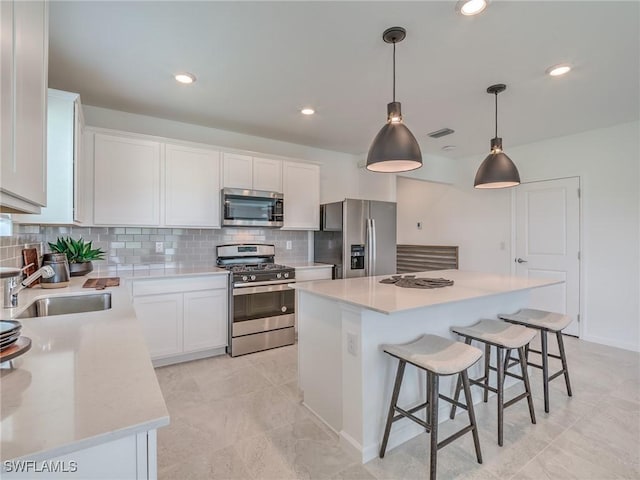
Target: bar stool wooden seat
point(504, 337)
point(437, 356)
point(544, 322)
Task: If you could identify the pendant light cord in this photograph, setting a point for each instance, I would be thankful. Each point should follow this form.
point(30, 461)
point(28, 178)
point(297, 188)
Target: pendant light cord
point(496, 135)
point(394, 71)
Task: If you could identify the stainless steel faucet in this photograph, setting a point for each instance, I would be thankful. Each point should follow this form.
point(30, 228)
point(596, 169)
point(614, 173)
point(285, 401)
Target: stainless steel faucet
point(12, 288)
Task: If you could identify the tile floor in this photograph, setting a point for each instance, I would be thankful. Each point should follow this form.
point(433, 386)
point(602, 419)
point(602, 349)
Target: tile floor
point(241, 418)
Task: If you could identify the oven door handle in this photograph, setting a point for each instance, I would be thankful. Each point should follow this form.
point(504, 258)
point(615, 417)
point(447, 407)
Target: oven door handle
point(261, 289)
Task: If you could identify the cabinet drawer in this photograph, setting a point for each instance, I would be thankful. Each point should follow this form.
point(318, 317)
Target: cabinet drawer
point(178, 285)
point(308, 274)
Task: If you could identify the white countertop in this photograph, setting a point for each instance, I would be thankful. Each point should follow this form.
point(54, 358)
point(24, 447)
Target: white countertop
point(368, 293)
point(87, 379)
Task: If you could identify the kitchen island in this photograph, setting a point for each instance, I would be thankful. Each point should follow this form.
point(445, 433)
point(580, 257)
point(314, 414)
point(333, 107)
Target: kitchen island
point(344, 375)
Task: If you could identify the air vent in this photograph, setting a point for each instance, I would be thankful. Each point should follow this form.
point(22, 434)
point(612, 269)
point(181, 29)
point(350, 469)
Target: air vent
point(441, 133)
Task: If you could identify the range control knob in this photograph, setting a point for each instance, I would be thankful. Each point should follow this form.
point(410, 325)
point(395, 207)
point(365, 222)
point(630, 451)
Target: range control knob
point(245, 278)
point(278, 275)
point(283, 308)
point(286, 275)
point(253, 277)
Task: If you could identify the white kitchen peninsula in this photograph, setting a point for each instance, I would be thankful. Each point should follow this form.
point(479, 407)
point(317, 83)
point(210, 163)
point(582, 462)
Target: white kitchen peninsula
point(346, 378)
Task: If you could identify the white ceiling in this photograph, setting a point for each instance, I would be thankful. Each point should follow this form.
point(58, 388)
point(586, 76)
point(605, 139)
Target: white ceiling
point(258, 63)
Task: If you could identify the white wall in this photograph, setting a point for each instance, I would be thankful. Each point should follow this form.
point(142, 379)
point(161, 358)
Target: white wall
point(607, 161)
point(457, 215)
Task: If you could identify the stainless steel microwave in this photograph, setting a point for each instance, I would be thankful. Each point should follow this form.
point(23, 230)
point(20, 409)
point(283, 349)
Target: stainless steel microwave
point(252, 208)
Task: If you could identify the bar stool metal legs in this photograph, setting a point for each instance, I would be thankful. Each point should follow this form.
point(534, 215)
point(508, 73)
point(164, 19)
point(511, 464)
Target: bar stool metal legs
point(544, 353)
point(431, 423)
point(505, 338)
point(501, 370)
point(544, 322)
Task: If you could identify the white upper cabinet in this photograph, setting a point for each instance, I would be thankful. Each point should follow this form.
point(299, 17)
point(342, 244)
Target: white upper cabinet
point(192, 187)
point(141, 180)
point(23, 61)
point(65, 191)
point(267, 174)
point(301, 188)
point(237, 171)
point(126, 181)
point(252, 173)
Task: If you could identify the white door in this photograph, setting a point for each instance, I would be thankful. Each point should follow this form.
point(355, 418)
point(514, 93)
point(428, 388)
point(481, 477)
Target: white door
point(547, 239)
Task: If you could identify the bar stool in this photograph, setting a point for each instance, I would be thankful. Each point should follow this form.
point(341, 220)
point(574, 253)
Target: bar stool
point(507, 337)
point(544, 322)
point(438, 356)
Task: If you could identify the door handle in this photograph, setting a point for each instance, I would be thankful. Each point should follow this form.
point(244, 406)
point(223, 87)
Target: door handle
point(519, 260)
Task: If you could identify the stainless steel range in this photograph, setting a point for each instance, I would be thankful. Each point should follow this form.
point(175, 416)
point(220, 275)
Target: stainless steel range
point(261, 305)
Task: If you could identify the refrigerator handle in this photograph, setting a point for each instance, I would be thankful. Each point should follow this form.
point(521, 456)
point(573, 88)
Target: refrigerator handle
point(368, 245)
point(373, 247)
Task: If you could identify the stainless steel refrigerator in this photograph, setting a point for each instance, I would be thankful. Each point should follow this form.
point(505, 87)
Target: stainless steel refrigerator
point(358, 237)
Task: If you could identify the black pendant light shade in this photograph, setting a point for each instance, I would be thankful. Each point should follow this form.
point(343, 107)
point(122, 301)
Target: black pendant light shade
point(394, 149)
point(497, 170)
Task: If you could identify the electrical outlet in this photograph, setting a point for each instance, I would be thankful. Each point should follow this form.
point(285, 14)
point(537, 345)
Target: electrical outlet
point(352, 344)
point(159, 247)
point(288, 244)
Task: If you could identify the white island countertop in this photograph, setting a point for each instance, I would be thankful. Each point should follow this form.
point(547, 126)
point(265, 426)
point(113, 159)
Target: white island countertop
point(87, 379)
point(369, 293)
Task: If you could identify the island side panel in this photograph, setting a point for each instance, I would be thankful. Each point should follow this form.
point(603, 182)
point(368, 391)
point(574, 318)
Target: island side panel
point(320, 357)
point(378, 369)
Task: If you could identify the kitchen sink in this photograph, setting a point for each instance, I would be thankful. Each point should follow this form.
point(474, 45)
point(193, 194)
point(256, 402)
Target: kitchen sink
point(64, 305)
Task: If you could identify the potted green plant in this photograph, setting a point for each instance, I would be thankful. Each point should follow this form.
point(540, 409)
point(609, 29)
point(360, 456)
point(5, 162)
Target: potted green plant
point(79, 254)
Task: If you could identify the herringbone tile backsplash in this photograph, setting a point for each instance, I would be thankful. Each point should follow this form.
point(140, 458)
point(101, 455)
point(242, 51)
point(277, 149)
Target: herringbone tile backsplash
point(132, 247)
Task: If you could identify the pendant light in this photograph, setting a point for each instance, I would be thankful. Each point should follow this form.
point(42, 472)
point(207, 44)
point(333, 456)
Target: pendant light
point(394, 149)
point(497, 170)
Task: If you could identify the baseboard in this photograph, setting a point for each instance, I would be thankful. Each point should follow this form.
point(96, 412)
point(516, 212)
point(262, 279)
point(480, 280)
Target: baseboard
point(350, 444)
point(399, 435)
point(320, 418)
point(187, 357)
point(611, 343)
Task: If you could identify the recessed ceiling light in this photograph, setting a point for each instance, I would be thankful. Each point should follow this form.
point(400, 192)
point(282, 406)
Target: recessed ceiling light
point(185, 78)
point(307, 111)
point(558, 70)
point(471, 7)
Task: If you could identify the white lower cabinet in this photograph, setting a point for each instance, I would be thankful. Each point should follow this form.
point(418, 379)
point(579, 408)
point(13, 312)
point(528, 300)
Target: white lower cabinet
point(182, 318)
point(161, 317)
point(132, 458)
point(199, 332)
